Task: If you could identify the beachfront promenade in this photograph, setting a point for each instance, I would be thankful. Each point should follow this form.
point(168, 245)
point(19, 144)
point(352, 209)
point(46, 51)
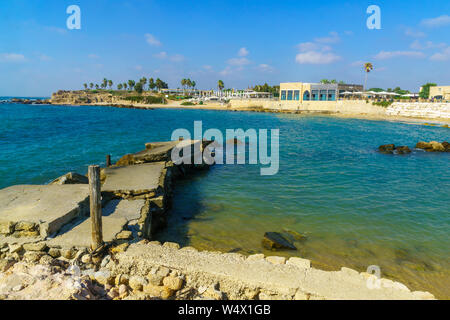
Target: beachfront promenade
point(48, 225)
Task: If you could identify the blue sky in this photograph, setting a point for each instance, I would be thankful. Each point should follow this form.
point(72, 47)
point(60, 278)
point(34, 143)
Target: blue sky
point(241, 42)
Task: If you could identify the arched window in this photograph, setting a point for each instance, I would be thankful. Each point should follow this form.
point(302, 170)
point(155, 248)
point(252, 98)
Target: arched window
point(306, 96)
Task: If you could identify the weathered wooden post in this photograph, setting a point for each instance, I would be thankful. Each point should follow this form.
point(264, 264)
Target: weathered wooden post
point(95, 206)
point(108, 160)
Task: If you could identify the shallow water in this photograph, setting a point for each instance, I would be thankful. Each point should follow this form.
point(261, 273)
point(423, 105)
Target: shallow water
point(357, 207)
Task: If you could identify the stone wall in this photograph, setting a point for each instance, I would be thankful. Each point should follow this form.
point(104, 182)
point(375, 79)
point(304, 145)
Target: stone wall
point(420, 110)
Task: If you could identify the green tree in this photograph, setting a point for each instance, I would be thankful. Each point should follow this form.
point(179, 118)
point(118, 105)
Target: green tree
point(151, 84)
point(110, 84)
point(139, 87)
point(194, 84)
point(119, 86)
point(97, 86)
point(91, 85)
point(220, 85)
point(425, 92)
point(143, 81)
point(85, 86)
point(131, 84)
point(325, 81)
point(104, 83)
point(367, 68)
point(125, 86)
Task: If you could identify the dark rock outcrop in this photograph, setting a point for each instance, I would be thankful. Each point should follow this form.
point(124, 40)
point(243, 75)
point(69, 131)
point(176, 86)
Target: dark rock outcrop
point(387, 148)
point(276, 241)
point(403, 150)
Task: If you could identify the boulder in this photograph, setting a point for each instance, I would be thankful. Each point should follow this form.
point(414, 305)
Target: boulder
point(387, 148)
point(437, 146)
point(403, 150)
point(423, 145)
point(446, 146)
point(71, 178)
point(276, 241)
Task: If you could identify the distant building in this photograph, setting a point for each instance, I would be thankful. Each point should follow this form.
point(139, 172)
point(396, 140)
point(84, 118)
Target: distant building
point(440, 92)
point(298, 91)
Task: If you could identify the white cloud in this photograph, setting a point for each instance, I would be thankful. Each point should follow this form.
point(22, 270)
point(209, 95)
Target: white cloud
point(415, 34)
point(161, 55)
point(263, 67)
point(238, 62)
point(243, 52)
point(394, 54)
point(177, 58)
point(164, 55)
point(225, 72)
point(316, 57)
point(12, 57)
point(152, 40)
point(333, 38)
point(308, 46)
point(44, 57)
point(417, 45)
point(358, 63)
point(441, 56)
point(436, 22)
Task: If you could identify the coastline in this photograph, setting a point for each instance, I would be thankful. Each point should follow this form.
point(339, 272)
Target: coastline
point(219, 107)
point(144, 269)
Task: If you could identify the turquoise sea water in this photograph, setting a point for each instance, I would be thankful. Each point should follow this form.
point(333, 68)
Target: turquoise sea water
point(356, 206)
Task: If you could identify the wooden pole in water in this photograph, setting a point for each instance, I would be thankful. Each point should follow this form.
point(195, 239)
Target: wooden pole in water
point(108, 160)
point(95, 206)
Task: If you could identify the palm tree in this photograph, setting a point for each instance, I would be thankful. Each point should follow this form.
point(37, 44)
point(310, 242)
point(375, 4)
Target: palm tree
point(220, 85)
point(85, 86)
point(96, 86)
point(110, 84)
point(125, 86)
point(91, 85)
point(151, 84)
point(104, 83)
point(143, 81)
point(194, 84)
point(367, 67)
point(119, 86)
point(131, 84)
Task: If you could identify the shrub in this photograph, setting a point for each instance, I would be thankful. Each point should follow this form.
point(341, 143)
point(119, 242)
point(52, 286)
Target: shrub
point(146, 99)
point(187, 103)
point(384, 104)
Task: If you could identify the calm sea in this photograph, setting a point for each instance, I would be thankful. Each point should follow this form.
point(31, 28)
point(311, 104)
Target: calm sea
point(357, 207)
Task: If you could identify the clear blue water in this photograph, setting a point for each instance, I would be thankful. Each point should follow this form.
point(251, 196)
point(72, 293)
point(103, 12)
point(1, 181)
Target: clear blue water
point(356, 206)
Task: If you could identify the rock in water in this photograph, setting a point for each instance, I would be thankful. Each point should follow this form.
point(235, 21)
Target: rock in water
point(387, 148)
point(403, 150)
point(275, 241)
point(446, 146)
point(296, 235)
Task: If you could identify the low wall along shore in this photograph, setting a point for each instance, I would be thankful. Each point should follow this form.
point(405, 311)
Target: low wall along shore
point(405, 109)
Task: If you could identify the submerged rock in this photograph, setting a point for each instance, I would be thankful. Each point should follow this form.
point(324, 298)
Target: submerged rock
point(276, 241)
point(392, 149)
point(387, 148)
point(296, 235)
point(402, 150)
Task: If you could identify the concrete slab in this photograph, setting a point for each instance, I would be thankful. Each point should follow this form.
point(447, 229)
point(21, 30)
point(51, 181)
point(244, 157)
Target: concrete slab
point(49, 207)
point(136, 180)
point(116, 214)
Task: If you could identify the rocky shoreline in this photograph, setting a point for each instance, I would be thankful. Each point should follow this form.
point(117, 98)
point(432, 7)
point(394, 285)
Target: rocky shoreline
point(37, 263)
